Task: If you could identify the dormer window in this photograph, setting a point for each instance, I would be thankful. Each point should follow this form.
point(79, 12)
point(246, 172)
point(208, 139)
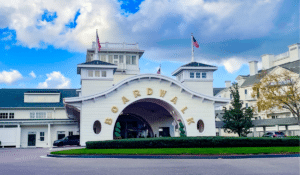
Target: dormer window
point(90, 73)
point(121, 58)
point(97, 73)
point(134, 60)
point(198, 74)
point(110, 58)
point(192, 75)
point(204, 75)
point(103, 73)
point(103, 58)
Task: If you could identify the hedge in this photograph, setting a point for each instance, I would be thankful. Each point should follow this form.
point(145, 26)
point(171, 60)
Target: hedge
point(193, 142)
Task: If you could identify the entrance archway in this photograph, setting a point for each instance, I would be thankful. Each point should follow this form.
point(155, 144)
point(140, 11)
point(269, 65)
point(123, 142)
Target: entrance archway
point(149, 118)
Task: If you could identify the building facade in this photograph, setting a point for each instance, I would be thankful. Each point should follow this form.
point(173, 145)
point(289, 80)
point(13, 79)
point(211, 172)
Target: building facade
point(112, 91)
point(279, 119)
point(34, 117)
point(145, 105)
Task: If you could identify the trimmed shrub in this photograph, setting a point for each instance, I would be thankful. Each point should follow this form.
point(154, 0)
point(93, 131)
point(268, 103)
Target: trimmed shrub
point(181, 129)
point(193, 142)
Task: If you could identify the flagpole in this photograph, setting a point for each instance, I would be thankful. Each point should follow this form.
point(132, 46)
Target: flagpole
point(192, 47)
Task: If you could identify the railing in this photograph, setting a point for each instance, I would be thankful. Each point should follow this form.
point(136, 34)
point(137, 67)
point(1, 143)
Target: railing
point(124, 45)
point(283, 55)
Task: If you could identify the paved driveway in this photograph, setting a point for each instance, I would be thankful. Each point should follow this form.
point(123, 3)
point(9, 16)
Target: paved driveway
point(34, 161)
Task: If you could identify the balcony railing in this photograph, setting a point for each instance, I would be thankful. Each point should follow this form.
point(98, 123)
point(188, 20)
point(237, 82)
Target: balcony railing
point(115, 46)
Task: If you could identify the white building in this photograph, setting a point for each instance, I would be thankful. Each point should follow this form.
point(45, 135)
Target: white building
point(277, 120)
point(112, 90)
point(150, 105)
point(34, 117)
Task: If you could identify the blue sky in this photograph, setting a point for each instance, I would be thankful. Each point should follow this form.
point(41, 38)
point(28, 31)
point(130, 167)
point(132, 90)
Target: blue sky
point(41, 43)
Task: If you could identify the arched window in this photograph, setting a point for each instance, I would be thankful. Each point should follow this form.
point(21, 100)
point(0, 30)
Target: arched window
point(97, 127)
point(200, 126)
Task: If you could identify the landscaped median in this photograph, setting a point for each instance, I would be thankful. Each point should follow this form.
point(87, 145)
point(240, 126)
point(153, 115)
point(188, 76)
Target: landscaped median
point(182, 151)
point(189, 146)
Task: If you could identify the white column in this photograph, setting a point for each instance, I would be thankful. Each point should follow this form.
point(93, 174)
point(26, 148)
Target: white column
point(220, 131)
point(254, 132)
point(286, 130)
point(18, 137)
point(49, 136)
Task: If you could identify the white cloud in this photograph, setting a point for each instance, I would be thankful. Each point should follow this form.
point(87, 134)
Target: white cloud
point(208, 20)
point(32, 74)
point(55, 80)
point(10, 77)
point(233, 64)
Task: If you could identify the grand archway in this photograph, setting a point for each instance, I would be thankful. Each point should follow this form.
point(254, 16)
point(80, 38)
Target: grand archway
point(149, 118)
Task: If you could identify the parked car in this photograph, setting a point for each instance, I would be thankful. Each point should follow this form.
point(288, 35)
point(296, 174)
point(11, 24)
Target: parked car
point(69, 140)
point(274, 134)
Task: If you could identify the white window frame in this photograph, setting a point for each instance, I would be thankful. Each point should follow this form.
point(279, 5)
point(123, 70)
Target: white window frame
point(90, 71)
point(192, 73)
point(96, 73)
point(47, 114)
point(134, 57)
point(104, 73)
point(204, 75)
point(199, 73)
point(42, 136)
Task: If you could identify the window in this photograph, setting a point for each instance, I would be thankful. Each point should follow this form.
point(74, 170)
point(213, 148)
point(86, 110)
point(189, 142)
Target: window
point(110, 58)
point(197, 74)
point(103, 57)
point(97, 73)
point(116, 57)
point(127, 59)
point(40, 115)
point(246, 105)
point(70, 133)
point(204, 75)
point(245, 91)
point(90, 73)
point(11, 115)
point(97, 127)
point(42, 136)
point(230, 96)
point(103, 73)
point(121, 58)
point(192, 74)
point(200, 126)
point(49, 114)
point(133, 60)
point(3, 115)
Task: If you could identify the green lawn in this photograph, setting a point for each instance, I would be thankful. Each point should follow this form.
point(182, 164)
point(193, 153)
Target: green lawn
point(183, 151)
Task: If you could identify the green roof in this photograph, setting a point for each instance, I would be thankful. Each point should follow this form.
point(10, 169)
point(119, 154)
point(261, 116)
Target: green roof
point(10, 98)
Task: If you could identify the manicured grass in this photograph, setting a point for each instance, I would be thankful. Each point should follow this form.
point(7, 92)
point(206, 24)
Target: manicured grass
point(183, 151)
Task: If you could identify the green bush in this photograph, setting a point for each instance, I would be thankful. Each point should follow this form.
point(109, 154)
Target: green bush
point(193, 142)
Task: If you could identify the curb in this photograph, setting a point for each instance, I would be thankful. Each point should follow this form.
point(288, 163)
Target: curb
point(177, 156)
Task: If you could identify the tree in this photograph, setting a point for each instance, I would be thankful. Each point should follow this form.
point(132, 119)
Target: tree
point(118, 130)
point(278, 90)
point(237, 119)
point(181, 129)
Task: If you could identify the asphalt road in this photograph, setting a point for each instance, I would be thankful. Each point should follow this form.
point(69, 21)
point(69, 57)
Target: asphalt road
point(34, 161)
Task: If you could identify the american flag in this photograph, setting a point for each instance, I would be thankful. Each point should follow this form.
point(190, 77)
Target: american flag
point(98, 41)
point(195, 43)
point(158, 71)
